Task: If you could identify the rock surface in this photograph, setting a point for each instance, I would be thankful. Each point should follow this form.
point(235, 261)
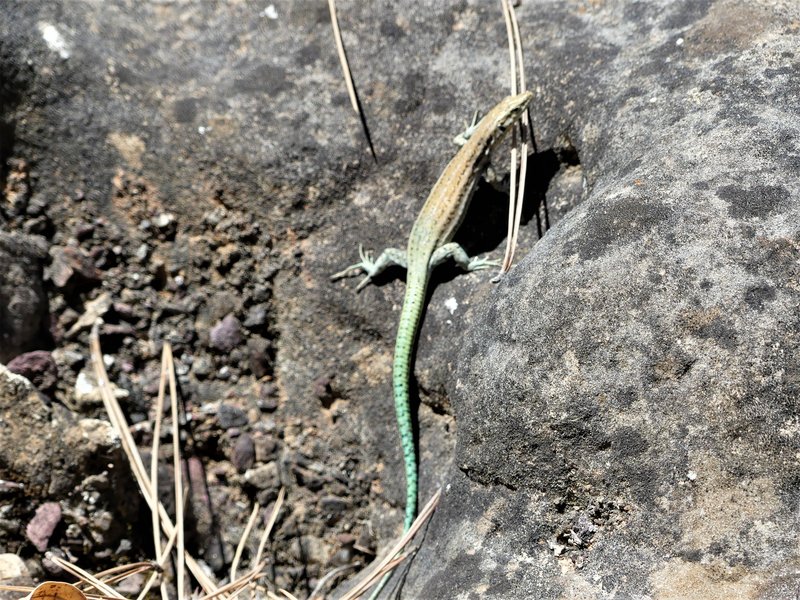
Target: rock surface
point(186, 163)
point(23, 302)
point(59, 474)
point(627, 400)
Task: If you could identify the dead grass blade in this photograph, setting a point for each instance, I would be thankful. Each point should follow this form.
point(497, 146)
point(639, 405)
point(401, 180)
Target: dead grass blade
point(348, 77)
point(525, 131)
point(376, 571)
point(120, 572)
point(22, 589)
point(328, 576)
point(270, 524)
point(123, 571)
point(158, 418)
point(234, 587)
point(177, 467)
point(84, 576)
point(117, 419)
point(516, 195)
point(243, 541)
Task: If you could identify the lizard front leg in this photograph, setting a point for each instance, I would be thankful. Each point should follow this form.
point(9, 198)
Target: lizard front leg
point(372, 268)
point(442, 253)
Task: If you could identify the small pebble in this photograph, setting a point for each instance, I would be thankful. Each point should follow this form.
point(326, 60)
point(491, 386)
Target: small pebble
point(244, 453)
point(38, 367)
point(226, 335)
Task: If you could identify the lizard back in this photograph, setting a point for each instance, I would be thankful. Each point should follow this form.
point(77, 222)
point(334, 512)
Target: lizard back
point(448, 201)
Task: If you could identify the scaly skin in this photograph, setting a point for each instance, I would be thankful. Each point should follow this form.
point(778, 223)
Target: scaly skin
point(428, 245)
point(410, 316)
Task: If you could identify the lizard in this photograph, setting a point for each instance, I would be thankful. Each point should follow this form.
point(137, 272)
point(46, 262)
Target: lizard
point(429, 244)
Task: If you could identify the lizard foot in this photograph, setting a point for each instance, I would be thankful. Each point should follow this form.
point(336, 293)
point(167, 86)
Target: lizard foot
point(478, 264)
point(462, 137)
point(365, 265)
point(372, 267)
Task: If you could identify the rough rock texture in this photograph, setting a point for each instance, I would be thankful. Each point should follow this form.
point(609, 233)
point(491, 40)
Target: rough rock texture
point(38, 367)
point(23, 303)
point(64, 478)
point(628, 400)
point(186, 161)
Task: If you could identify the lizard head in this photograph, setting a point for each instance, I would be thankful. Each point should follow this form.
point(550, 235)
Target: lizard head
point(508, 111)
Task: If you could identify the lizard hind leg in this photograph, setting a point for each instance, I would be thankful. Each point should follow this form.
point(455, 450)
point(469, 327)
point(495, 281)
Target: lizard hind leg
point(460, 256)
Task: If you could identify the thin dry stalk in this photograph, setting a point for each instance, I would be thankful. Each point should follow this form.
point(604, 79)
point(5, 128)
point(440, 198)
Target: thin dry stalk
point(155, 520)
point(525, 129)
point(84, 576)
point(377, 570)
point(513, 168)
point(270, 524)
point(132, 569)
point(237, 586)
point(512, 13)
point(348, 76)
point(515, 195)
point(117, 420)
point(328, 576)
point(390, 566)
point(123, 571)
point(161, 565)
point(157, 420)
point(148, 584)
point(22, 589)
point(511, 44)
point(178, 472)
point(243, 541)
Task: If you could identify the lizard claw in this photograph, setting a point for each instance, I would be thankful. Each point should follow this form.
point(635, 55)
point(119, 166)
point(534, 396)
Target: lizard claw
point(478, 264)
point(365, 265)
point(462, 137)
point(364, 283)
point(348, 272)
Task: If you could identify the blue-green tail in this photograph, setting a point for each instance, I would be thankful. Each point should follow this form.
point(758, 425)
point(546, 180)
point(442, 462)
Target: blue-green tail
point(410, 315)
point(401, 375)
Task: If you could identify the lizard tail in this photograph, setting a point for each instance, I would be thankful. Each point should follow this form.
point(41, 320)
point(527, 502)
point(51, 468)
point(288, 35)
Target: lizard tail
point(410, 316)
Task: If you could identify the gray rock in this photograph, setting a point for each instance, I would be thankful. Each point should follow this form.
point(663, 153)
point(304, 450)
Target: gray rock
point(260, 359)
point(12, 567)
point(38, 367)
point(70, 267)
point(671, 126)
point(229, 416)
point(42, 525)
point(266, 447)
point(256, 316)
point(226, 335)
point(332, 509)
point(627, 399)
point(165, 222)
point(86, 392)
point(263, 477)
point(23, 302)
point(244, 453)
